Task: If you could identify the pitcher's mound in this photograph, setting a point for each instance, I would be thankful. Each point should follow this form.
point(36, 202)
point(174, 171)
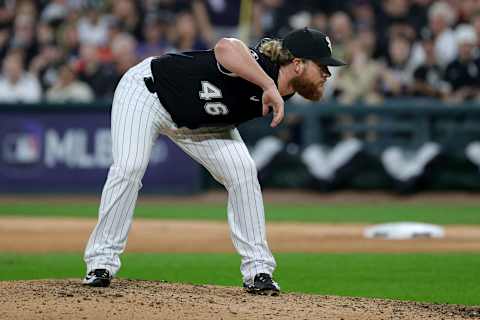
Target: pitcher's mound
point(134, 299)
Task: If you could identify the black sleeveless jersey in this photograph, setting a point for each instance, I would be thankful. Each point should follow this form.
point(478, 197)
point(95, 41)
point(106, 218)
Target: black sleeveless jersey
point(198, 92)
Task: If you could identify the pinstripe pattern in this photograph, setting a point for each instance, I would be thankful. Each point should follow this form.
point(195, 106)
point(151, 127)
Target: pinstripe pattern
point(137, 119)
point(225, 155)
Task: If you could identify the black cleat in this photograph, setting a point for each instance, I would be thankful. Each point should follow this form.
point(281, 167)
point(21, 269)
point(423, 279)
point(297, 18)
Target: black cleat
point(263, 285)
point(98, 278)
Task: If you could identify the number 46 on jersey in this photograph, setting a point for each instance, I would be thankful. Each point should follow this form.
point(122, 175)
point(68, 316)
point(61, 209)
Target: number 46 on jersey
point(209, 92)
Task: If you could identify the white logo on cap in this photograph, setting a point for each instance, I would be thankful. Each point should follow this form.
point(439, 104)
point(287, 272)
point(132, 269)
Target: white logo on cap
point(329, 43)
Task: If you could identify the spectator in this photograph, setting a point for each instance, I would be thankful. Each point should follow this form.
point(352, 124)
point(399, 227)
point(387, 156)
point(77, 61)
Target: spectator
point(127, 14)
point(46, 64)
point(397, 75)
point(319, 21)
point(300, 19)
point(115, 28)
point(393, 19)
point(278, 17)
point(7, 13)
point(184, 34)
point(463, 74)
point(26, 8)
point(419, 10)
point(217, 18)
point(45, 34)
point(368, 38)
point(55, 11)
point(358, 82)
point(24, 36)
point(68, 89)
point(16, 85)
point(4, 40)
point(363, 13)
point(466, 10)
point(341, 32)
point(271, 18)
point(155, 42)
point(100, 76)
point(441, 16)
point(476, 24)
point(69, 40)
point(93, 27)
point(428, 77)
point(124, 48)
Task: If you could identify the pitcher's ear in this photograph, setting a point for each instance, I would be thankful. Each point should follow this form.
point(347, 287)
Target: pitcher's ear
point(299, 65)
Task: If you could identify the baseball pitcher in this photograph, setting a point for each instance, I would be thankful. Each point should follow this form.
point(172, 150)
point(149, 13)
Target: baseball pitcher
point(197, 99)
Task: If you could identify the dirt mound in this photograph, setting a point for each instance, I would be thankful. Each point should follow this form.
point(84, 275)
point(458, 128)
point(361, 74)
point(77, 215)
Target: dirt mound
point(133, 299)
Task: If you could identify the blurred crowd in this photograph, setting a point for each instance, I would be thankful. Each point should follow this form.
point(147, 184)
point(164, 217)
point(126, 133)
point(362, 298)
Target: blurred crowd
point(77, 50)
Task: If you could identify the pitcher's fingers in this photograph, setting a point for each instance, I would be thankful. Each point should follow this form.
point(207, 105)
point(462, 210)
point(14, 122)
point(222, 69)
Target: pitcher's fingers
point(265, 110)
point(277, 118)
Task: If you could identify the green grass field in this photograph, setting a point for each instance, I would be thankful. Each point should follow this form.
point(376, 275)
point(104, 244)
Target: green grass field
point(351, 213)
point(439, 278)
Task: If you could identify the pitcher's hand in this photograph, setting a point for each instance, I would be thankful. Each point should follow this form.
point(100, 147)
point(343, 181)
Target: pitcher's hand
point(272, 98)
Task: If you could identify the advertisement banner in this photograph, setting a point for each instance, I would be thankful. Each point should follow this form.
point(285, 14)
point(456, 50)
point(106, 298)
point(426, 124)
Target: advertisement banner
point(68, 151)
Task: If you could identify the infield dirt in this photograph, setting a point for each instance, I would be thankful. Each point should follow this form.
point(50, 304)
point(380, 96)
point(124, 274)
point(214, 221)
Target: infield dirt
point(70, 235)
point(129, 300)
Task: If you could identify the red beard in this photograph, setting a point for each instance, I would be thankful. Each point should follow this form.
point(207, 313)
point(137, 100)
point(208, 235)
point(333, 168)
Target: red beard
point(307, 89)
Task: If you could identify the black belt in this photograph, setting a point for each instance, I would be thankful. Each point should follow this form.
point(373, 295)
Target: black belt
point(150, 84)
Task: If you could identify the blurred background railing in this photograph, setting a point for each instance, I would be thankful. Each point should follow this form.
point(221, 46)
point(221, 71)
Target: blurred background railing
point(402, 145)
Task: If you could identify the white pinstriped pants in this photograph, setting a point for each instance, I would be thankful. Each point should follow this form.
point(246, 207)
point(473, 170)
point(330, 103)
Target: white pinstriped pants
point(137, 120)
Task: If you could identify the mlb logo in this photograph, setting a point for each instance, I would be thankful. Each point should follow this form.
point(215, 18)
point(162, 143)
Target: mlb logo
point(21, 148)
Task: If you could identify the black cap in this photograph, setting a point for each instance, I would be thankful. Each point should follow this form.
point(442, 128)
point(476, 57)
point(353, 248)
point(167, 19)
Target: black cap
point(308, 43)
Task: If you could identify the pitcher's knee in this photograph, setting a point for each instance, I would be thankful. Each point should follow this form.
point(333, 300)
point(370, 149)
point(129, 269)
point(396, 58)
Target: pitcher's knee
point(244, 171)
point(132, 172)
